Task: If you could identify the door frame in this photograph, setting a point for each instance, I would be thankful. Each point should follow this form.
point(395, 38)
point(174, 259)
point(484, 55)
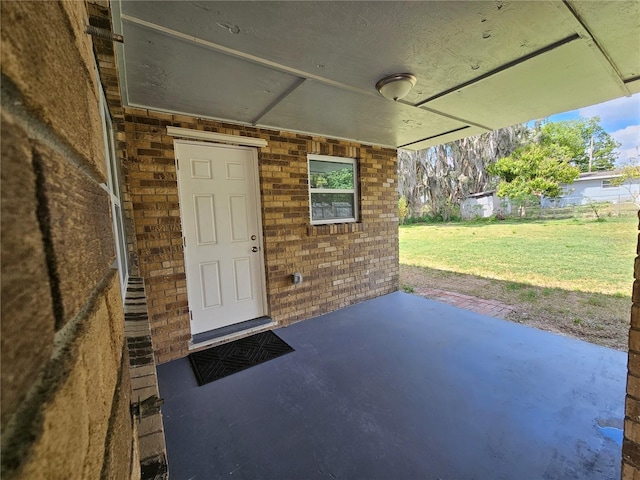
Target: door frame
point(258, 206)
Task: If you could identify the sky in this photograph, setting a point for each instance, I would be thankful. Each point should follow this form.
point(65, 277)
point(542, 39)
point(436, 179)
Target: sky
point(620, 118)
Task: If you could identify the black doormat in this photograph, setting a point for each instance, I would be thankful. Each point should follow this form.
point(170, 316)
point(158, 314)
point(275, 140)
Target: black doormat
point(217, 362)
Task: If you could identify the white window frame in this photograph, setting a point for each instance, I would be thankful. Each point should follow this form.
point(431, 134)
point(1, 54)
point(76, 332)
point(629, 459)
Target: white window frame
point(114, 190)
point(607, 184)
point(354, 191)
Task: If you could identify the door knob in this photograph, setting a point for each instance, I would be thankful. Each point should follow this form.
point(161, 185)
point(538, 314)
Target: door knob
point(254, 249)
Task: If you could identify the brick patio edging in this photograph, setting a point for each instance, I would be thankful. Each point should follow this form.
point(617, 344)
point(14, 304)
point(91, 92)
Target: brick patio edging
point(468, 302)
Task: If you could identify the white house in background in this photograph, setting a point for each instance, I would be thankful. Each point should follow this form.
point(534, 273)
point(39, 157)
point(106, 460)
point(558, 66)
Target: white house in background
point(596, 187)
point(484, 205)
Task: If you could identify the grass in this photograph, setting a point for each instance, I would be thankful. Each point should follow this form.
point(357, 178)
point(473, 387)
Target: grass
point(569, 276)
point(571, 254)
point(594, 317)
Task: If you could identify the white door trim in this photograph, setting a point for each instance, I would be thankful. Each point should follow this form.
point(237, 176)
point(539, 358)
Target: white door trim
point(258, 206)
point(216, 137)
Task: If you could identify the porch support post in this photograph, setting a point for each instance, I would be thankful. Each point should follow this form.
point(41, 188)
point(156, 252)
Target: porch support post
point(631, 442)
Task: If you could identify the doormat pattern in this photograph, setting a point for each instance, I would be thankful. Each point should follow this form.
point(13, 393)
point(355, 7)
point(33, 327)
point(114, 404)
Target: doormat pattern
point(218, 362)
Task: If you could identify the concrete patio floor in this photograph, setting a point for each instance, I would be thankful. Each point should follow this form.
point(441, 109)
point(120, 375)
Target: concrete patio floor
point(401, 387)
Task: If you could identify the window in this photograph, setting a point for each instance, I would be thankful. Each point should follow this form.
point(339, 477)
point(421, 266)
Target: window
point(607, 184)
point(113, 188)
point(333, 193)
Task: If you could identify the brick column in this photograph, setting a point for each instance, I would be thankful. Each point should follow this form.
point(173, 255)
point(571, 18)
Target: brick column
point(631, 443)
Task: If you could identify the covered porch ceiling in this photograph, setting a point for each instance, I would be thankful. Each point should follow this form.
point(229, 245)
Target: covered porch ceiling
point(312, 67)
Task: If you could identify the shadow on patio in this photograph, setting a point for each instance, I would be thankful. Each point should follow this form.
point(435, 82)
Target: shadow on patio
point(401, 387)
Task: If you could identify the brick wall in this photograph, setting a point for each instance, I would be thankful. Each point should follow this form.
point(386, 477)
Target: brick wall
point(341, 264)
point(631, 442)
point(100, 17)
point(64, 385)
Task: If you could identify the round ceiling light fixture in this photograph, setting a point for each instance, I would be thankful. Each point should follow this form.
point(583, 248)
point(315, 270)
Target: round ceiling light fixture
point(396, 86)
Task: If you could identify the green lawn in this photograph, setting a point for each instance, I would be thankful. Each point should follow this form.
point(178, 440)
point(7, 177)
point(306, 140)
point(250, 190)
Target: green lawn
point(573, 254)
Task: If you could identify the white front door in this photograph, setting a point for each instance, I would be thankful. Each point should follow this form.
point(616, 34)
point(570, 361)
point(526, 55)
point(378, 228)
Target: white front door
point(219, 204)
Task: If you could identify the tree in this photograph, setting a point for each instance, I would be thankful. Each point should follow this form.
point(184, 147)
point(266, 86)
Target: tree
point(442, 175)
point(534, 170)
point(411, 179)
point(628, 174)
point(579, 138)
point(339, 179)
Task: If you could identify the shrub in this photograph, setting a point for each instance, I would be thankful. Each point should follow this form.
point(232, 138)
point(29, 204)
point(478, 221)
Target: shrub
point(403, 209)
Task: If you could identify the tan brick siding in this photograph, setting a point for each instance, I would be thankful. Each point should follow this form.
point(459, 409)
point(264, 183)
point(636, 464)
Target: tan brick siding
point(119, 433)
point(74, 426)
point(341, 264)
point(65, 398)
point(100, 17)
point(631, 442)
point(41, 54)
point(28, 322)
point(81, 234)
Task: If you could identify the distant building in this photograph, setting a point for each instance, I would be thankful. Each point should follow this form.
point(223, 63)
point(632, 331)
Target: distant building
point(595, 187)
point(484, 205)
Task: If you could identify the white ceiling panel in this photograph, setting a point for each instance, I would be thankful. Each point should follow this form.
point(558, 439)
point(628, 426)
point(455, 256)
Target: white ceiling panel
point(357, 43)
point(558, 80)
point(315, 107)
point(171, 74)
point(616, 25)
point(487, 63)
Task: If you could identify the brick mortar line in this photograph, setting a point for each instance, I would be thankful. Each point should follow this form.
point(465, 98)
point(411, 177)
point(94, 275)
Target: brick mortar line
point(21, 430)
point(113, 416)
point(44, 222)
point(14, 104)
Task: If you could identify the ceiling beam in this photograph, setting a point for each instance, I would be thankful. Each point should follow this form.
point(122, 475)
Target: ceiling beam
point(434, 136)
point(278, 100)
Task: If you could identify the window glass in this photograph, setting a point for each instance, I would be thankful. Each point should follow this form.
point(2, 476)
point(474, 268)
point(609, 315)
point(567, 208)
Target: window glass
point(113, 187)
point(332, 189)
point(332, 206)
point(331, 175)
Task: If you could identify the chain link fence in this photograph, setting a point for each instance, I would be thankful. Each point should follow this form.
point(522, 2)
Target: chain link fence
point(590, 209)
